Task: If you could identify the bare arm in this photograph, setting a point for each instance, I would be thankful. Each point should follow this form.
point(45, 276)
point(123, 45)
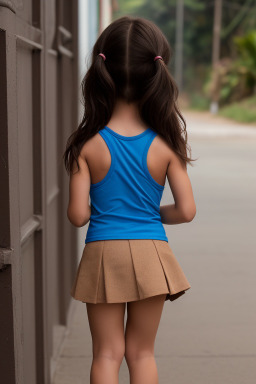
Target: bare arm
point(184, 208)
point(79, 210)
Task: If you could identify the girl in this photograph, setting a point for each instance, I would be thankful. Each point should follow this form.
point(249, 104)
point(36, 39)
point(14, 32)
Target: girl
point(129, 140)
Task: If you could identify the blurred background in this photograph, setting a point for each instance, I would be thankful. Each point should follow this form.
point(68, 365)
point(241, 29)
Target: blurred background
point(207, 336)
point(214, 50)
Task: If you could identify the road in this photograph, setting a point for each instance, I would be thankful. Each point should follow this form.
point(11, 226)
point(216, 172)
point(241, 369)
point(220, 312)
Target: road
point(207, 336)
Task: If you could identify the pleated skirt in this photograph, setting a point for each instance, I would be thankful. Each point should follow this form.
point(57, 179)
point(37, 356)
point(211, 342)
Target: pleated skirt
point(118, 271)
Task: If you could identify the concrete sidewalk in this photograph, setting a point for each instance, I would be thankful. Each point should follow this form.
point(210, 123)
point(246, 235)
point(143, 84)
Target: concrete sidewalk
point(206, 124)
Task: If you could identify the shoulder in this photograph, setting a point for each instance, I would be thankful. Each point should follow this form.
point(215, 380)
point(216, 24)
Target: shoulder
point(89, 146)
point(165, 149)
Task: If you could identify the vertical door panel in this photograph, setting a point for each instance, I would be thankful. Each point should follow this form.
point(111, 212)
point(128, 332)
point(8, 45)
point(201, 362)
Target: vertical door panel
point(25, 135)
point(30, 183)
point(52, 198)
point(68, 242)
point(51, 126)
point(28, 310)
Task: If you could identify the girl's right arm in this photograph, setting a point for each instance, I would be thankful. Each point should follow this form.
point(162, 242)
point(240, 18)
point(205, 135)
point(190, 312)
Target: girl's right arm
point(79, 210)
point(184, 208)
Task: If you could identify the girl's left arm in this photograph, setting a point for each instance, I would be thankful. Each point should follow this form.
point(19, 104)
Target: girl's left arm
point(79, 210)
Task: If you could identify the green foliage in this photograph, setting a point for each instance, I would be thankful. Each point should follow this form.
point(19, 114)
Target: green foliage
point(236, 20)
point(228, 82)
point(195, 5)
point(199, 102)
point(243, 111)
point(127, 7)
point(247, 49)
point(234, 80)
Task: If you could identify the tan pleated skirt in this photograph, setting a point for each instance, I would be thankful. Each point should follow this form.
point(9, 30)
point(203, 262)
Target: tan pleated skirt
point(117, 271)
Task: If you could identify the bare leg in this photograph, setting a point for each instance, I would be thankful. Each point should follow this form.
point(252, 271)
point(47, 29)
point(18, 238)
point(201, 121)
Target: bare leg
point(106, 323)
point(141, 328)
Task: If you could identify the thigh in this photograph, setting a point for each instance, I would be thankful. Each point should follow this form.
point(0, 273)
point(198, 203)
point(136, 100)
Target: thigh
point(143, 318)
point(106, 322)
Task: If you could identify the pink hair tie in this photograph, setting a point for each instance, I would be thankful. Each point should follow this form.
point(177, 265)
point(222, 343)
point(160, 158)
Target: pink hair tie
point(158, 57)
point(102, 55)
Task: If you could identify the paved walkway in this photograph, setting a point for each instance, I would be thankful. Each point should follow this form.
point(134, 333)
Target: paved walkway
point(207, 124)
point(208, 335)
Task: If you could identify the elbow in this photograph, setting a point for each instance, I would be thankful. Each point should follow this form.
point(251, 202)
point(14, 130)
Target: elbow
point(189, 214)
point(77, 219)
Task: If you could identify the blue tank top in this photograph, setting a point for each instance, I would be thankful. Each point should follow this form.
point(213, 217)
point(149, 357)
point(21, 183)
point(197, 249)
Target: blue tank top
point(125, 204)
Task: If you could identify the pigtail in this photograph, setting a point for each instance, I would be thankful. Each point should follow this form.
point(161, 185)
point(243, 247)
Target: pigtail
point(158, 107)
point(99, 94)
point(98, 98)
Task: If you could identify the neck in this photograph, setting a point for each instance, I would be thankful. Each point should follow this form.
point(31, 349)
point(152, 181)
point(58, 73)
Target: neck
point(123, 110)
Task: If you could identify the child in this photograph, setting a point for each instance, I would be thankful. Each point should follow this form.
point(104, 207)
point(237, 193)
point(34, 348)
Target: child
point(129, 140)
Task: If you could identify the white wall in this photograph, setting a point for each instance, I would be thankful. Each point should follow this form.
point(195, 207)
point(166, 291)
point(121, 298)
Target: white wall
point(105, 14)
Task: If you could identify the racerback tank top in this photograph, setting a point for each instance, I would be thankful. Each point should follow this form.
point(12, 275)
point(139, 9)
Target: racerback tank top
point(125, 204)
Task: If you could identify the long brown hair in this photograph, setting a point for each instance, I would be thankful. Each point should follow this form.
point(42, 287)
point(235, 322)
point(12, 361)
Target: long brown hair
point(129, 72)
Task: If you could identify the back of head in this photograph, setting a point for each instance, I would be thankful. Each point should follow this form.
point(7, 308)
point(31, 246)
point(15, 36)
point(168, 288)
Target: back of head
point(124, 67)
point(130, 46)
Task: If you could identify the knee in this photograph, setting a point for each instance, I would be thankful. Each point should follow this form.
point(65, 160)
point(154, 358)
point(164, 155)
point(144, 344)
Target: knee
point(134, 352)
point(114, 353)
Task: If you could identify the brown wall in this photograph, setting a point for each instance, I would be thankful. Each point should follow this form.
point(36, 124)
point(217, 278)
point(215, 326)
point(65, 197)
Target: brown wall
point(38, 111)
